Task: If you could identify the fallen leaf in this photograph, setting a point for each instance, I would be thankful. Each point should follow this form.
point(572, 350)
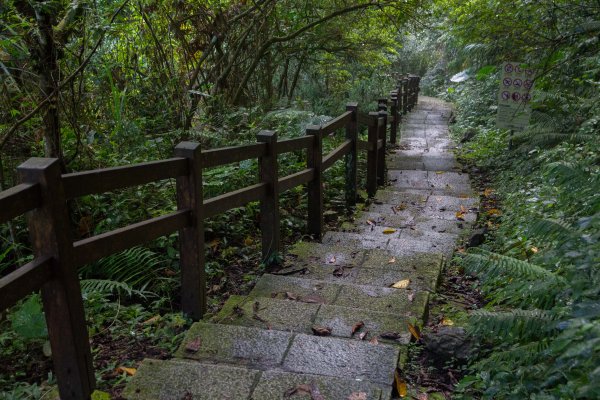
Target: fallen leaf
point(357, 396)
point(415, 331)
point(374, 340)
point(488, 192)
point(423, 199)
point(388, 231)
point(439, 172)
point(214, 244)
point(463, 196)
point(312, 299)
point(460, 215)
point(169, 272)
point(400, 384)
point(534, 250)
point(331, 260)
point(411, 297)
point(370, 222)
point(463, 209)
point(248, 241)
point(339, 272)
point(494, 212)
point(401, 207)
point(356, 327)
point(321, 330)
point(193, 346)
point(290, 296)
point(126, 370)
point(363, 335)
point(392, 260)
point(152, 320)
point(300, 389)
point(403, 284)
point(447, 322)
point(390, 335)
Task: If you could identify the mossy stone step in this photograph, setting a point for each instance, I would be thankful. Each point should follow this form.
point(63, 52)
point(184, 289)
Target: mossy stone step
point(295, 316)
point(383, 269)
point(375, 222)
point(406, 302)
point(305, 253)
point(178, 379)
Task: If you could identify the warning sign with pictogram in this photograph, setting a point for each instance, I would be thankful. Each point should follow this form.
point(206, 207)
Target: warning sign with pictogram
point(516, 83)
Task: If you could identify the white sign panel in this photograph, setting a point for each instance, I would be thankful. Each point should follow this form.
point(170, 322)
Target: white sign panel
point(514, 96)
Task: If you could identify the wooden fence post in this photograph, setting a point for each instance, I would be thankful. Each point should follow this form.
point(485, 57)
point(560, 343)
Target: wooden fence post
point(50, 235)
point(191, 238)
point(372, 154)
point(269, 206)
point(404, 96)
point(381, 156)
point(394, 120)
point(352, 156)
point(315, 187)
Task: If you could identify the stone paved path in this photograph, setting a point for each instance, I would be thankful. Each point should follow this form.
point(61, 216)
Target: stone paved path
point(262, 346)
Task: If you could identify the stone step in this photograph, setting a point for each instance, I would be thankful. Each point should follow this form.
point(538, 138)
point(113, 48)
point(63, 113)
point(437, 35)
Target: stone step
point(429, 180)
point(395, 245)
point(363, 297)
point(178, 379)
point(287, 315)
point(382, 270)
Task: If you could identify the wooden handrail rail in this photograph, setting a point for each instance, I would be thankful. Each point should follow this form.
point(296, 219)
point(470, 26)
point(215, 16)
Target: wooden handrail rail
point(24, 280)
point(295, 144)
point(228, 155)
point(18, 200)
point(336, 123)
point(94, 248)
point(336, 154)
point(237, 198)
point(296, 179)
point(107, 179)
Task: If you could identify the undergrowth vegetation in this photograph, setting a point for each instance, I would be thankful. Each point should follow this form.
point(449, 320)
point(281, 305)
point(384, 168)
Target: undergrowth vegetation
point(540, 269)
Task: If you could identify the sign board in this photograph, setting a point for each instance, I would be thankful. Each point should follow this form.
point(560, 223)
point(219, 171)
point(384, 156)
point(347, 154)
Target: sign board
point(514, 96)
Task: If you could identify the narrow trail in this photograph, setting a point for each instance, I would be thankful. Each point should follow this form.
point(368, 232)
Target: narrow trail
point(265, 345)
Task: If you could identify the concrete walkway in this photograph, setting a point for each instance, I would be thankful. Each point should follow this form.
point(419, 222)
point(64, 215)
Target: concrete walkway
point(268, 345)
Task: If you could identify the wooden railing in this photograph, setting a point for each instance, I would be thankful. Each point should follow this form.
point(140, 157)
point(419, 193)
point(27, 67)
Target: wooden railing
point(44, 192)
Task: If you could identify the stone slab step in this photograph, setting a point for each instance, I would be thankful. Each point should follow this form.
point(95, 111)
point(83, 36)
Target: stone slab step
point(386, 275)
point(178, 379)
point(288, 315)
point(371, 221)
point(396, 246)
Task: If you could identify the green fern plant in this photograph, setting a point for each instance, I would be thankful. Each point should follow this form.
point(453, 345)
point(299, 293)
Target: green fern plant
point(133, 270)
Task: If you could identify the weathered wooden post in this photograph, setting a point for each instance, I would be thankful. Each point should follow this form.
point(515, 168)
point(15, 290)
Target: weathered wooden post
point(404, 95)
point(191, 238)
point(352, 157)
point(394, 116)
point(315, 187)
point(269, 206)
point(372, 153)
point(50, 235)
point(382, 136)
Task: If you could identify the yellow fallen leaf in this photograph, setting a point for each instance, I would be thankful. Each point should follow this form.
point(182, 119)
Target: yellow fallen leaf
point(423, 199)
point(403, 284)
point(126, 370)
point(534, 250)
point(463, 196)
point(494, 212)
point(248, 241)
point(415, 331)
point(388, 231)
point(447, 322)
point(463, 209)
point(152, 320)
point(460, 215)
point(392, 260)
point(400, 384)
point(439, 172)
point(488, 192)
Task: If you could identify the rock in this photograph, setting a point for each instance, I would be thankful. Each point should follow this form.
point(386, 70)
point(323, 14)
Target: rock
point(449, 344)
point(477, 237)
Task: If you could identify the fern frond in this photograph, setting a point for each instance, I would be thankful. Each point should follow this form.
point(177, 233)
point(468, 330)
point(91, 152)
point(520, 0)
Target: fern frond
point(547, 229)
point(517, 354)
point(137, 267)
point(105, 286)
point(517, 323)
point(494, 265)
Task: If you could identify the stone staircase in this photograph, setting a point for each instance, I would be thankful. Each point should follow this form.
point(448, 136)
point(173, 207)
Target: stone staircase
point(267, 345)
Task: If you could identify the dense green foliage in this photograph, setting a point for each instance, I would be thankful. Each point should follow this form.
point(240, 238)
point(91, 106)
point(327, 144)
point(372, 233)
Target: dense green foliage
point(540, 272)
